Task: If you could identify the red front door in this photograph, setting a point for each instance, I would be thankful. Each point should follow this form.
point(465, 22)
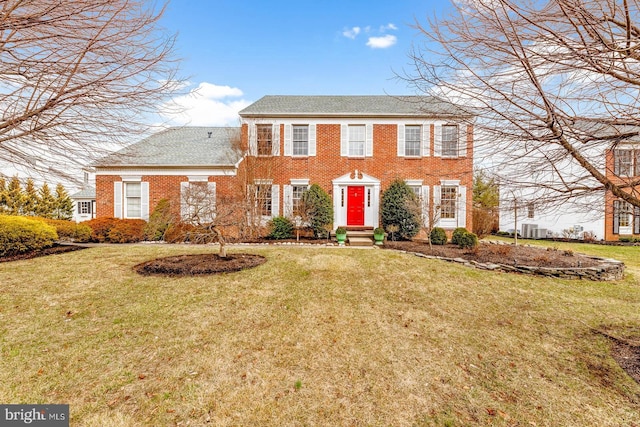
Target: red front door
point(355, 206)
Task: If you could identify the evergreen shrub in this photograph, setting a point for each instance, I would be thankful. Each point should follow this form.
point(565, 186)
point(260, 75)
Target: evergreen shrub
point(19, 234)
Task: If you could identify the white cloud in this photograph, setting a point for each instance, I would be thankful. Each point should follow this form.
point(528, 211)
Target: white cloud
point(382, 42)
point(351, 33)
point(389, 26)
point(206, 105)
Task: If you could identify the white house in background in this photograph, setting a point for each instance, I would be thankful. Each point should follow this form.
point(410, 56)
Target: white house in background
point(84, 201)
point(537, 221)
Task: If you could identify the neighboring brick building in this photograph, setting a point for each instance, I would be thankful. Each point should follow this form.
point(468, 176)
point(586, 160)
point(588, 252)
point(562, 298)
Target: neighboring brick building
point(622, 167)
point(352, 146)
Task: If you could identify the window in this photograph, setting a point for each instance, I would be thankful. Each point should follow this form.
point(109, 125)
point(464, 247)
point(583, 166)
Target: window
point(622, 216)
point(450, 141)
point(297, 191)
point(623, 162)
point(263, 199)
point(412, 141)
point(84, 208)
point(448, 202)
point(264, 140)
point(133, 200)
point(300, 140)
point(356, 140)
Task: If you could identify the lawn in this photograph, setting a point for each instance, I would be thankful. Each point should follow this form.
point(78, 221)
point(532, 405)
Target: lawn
point(315, 336)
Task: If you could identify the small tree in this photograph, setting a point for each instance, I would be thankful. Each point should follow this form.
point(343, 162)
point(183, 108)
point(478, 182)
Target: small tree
point(30, 199)
point(400, 207)
point(46, 202)
point(14, 197)
point(208, 214)
point(63, 205)
point(3, 195)
point(486, 201)
point(316, 207)
point(159, 221)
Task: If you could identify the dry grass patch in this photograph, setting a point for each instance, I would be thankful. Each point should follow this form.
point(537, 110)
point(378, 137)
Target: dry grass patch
point(315, 336)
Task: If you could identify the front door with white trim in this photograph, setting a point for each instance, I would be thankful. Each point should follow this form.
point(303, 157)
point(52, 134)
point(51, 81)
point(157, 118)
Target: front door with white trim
point(356, 199)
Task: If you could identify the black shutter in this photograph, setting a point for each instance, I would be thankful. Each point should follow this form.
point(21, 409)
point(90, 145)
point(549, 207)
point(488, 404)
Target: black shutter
point(79, 207)
point(616, 217)
point(636, 220)
point(90, 207)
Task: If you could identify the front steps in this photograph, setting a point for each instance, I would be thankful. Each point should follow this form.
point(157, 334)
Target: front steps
point(360, 236)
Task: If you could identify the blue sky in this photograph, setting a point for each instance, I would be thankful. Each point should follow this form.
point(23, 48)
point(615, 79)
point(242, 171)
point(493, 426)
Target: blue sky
point(235, 52)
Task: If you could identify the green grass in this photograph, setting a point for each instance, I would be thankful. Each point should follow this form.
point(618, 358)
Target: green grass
point(315, 336)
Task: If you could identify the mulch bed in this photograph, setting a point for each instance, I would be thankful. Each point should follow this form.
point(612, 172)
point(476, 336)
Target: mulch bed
point(200, 264)
point(53, 250)
point(501, 254)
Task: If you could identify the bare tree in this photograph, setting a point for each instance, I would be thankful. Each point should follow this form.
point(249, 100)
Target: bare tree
point(555, 85)
point(210, 214)
point(77, 76)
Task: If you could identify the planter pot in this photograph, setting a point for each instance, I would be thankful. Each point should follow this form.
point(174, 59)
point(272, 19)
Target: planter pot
point(341, 238)
point(379, 238)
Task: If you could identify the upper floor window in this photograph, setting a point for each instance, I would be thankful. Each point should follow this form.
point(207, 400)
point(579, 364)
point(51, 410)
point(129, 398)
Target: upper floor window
point(531, 212)
point(448, 202)
point(264, 139)
point(300, 140)
point(133, 200)
point(412, 141)
point(626, 162)
point(356, 140)
point(449, 140)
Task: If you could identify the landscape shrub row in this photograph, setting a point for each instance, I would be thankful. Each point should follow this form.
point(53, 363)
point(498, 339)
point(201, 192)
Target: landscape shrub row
point(69, 230)
point(20, 234)
point(115, 230)
point(460, 237)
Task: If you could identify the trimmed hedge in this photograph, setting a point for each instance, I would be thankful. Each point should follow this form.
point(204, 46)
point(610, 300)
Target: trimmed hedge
point(69, 230)
point(127, 231)
point(438, 236)
point(19, 234)
point(178, 232)
point(115, 230)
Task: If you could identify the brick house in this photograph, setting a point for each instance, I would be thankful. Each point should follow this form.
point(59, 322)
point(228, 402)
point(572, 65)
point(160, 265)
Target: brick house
point(622, 167)
point(352, 146)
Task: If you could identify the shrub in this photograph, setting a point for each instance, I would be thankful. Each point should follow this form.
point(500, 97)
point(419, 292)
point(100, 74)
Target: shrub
point(467, 240)
point(280, 228)
point(19, 235)
point(378, 230)
point(341, 230)
point(127, 231)
point(400, 207)
point(68, 230)
point(438, 236)
point(178, 232)
point(159, 221)
point(100, 228)
point(317, 209)
point(457, 234)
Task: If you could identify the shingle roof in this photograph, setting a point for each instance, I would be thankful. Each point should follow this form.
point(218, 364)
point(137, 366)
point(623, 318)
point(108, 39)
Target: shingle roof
point(87, 192)
point(351, 106)
point(182, 147)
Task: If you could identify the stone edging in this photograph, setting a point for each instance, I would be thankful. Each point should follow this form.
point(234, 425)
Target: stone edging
point(608, 270)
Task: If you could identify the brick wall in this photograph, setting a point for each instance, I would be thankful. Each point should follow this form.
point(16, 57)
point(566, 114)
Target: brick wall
point(609, 198)
point(321, 169)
